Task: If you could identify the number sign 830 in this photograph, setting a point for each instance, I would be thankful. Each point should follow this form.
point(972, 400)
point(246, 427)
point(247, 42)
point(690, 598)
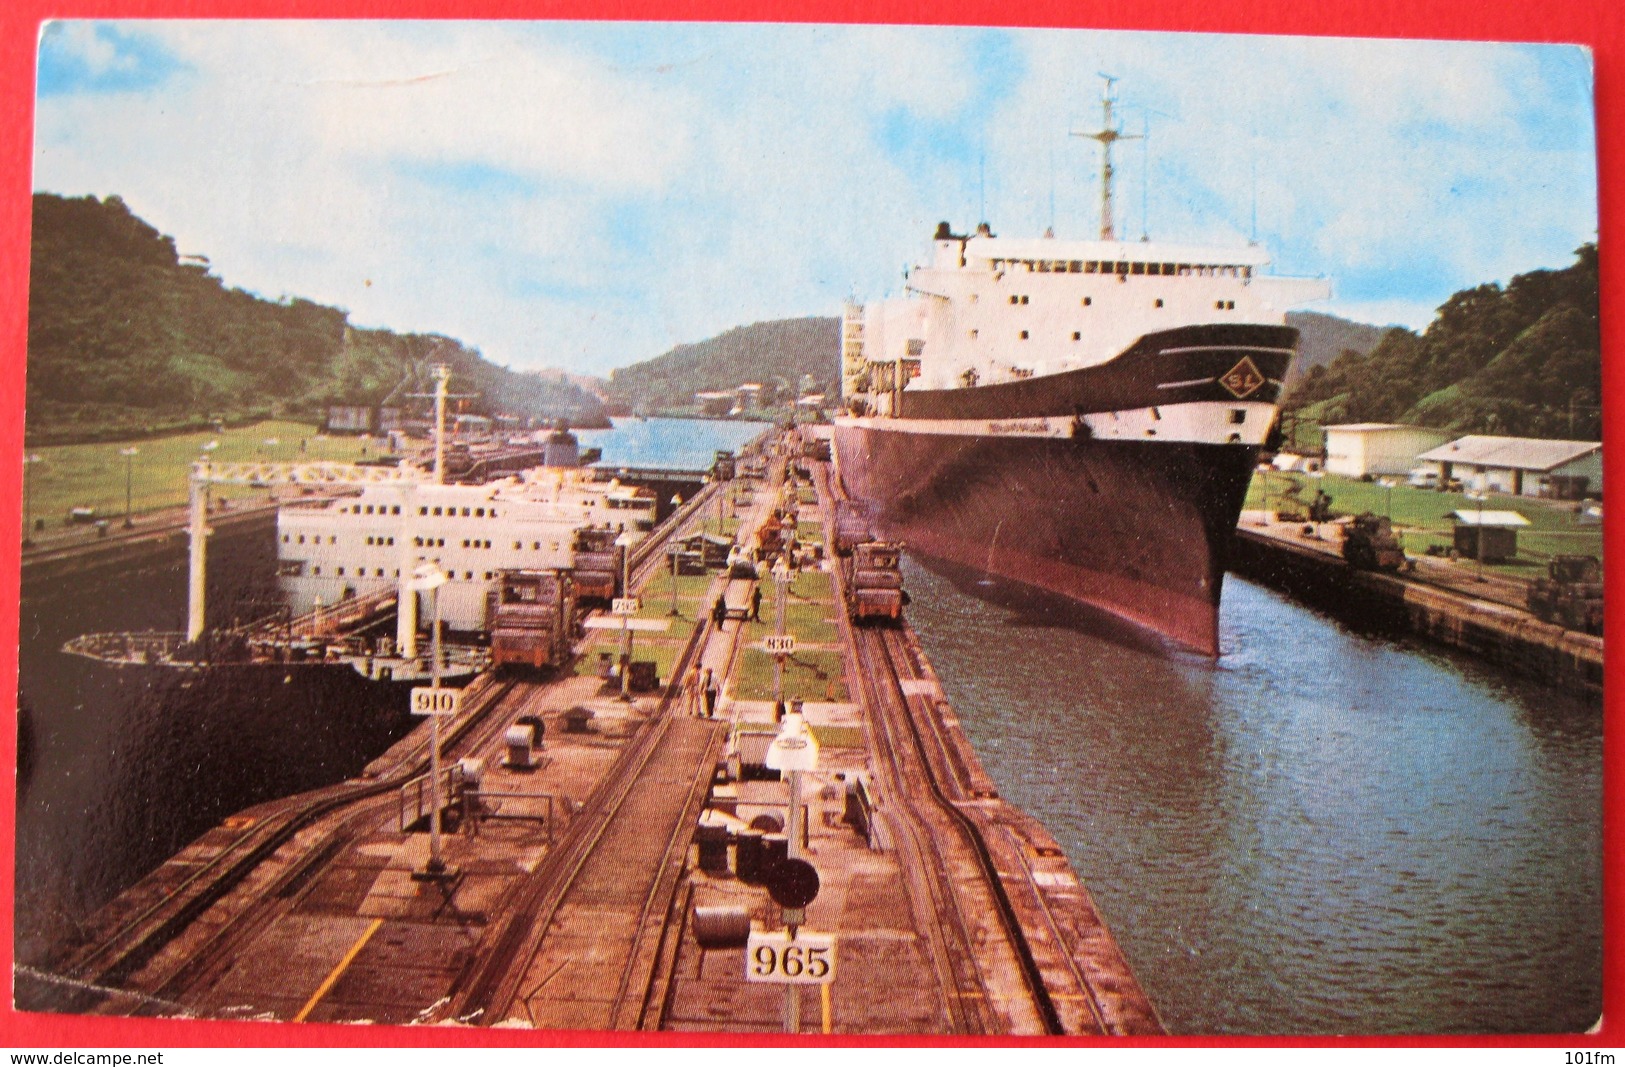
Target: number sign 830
point(773, 957)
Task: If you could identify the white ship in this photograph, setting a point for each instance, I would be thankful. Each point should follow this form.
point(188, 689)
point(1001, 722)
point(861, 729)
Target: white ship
point(1083, 415)
point(358, 545)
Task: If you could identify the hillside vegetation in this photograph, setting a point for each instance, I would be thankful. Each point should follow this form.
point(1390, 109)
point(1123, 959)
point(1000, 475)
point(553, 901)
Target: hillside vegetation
point(775, 354)
point(127, 337)
point(1524, 360)
point(1322, 338)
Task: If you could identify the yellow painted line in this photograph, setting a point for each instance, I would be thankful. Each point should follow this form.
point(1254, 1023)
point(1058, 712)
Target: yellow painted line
point(823, 1002)
point(338, 971)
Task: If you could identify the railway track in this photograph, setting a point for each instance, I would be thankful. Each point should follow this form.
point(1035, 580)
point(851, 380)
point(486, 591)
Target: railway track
point(96, 971)
point(917, 752)
point(585, 884)
point(123, 965)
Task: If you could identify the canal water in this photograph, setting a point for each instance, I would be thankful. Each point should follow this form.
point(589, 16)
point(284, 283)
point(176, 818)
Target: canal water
point(1325, 831)
point(682, 444)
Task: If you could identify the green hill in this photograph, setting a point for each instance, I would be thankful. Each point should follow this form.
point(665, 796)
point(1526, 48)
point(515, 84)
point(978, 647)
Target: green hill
point(127, 337)
point(775, 354)
point(1322, 338)
point(1524, 361)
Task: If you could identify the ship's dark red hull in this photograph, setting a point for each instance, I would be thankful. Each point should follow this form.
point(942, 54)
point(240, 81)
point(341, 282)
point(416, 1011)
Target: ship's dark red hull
point(1138, 529)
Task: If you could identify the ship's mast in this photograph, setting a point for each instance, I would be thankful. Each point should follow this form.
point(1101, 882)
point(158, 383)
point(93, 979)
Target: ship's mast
point(1107, 135)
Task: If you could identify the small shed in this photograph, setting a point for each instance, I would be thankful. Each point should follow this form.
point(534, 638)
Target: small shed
point(1487, 536)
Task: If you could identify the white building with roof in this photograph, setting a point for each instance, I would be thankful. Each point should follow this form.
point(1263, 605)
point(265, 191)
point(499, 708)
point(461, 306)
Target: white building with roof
point(1521, 466)
point(1359, 448)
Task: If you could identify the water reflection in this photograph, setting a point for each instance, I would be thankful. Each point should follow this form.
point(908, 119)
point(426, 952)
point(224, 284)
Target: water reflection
point(1321, 832)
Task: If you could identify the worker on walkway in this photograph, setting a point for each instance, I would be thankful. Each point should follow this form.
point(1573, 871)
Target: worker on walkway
point(719, 612)
point(691, 690)
point(756, 602)
point(711, 693)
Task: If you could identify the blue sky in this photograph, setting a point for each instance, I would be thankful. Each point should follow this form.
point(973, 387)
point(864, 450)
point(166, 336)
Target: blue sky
point(587, 195)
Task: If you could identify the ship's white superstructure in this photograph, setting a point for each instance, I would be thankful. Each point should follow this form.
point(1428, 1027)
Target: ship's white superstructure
point(358, 544)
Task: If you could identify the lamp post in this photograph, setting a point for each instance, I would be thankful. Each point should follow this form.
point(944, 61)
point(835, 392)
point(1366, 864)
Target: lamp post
point(781, 582)
point(677, 502)
point(1479, 495)
point(28, 511)
point(129, 473)
point(624, 543)
point(1388, 508)
point(429, 578)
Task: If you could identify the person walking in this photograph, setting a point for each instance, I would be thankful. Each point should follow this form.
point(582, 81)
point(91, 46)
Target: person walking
point(691, 690)
point(719, 612)
point(756, 602)
point(711, 693)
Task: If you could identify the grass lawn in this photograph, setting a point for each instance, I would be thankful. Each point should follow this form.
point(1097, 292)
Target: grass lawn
point(691, 590)
point(808, 675)
point(810, 623)
point(92, 476)
point(1421, 516)
point(663, 650)
point(809, 586)
point(837, 736)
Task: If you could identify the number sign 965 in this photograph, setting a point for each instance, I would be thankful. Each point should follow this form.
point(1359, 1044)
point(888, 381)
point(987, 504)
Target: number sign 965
point(773, 957)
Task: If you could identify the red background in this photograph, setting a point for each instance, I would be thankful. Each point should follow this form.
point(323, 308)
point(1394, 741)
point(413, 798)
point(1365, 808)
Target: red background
point(1597, 24)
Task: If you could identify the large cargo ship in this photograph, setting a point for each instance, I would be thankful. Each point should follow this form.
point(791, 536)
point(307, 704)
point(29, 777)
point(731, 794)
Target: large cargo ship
point(1082, 415)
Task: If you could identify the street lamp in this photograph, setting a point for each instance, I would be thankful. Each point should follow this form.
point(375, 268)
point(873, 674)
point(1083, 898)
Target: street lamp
point(129, 471)
point(1479, 495)
point(677, 502)
point(28, 511)
point(429, 578)
point(624, 543)
point(1388, 507)
point(781, 581)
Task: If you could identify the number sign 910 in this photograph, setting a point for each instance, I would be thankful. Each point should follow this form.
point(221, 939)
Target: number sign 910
point(773, 957)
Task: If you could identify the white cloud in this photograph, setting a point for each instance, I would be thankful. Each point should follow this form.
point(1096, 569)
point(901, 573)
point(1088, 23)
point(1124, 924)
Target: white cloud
point(587, 196)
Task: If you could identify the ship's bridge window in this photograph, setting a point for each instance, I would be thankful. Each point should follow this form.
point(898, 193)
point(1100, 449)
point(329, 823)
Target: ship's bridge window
point(423, 510)
point(301, 538)
point(396, 510)
point(973, 335)
point(1137, 268)
point(1159, 301)
point(1023, 335)
point(286, 538)
point(1077, 335)
point(465, 513)
point(1238, 415)
point(1088, 300)
point(315, 570)
point(437, 509)
point(379, 573)
point(341, 572)
point(1246, 272)
point(369, 509)
point(479, 513)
